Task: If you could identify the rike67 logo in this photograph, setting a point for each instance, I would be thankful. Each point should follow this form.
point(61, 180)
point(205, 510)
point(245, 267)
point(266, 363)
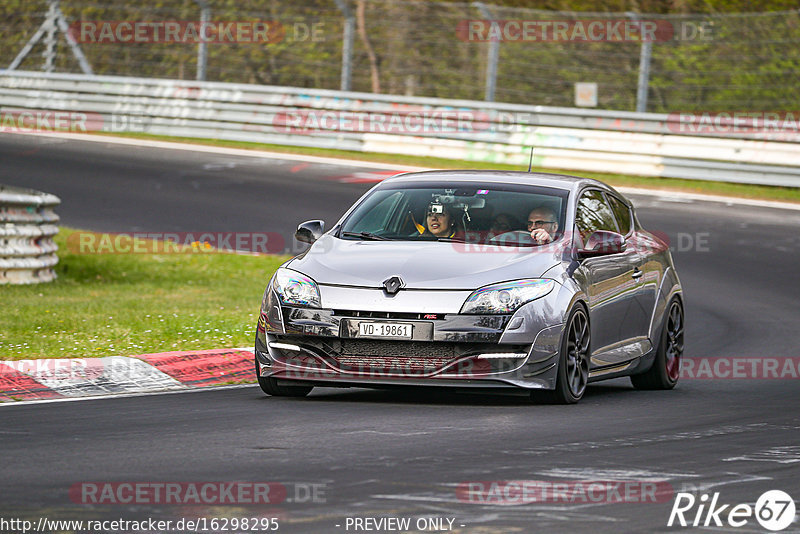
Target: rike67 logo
point(774, 510)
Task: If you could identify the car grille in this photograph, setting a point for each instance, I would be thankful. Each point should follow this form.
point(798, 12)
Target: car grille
point(389, 315)
point(416, 349)
point(395, 357)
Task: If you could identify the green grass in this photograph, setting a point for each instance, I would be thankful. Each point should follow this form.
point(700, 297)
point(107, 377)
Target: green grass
point(127, 304)
point(762, 192)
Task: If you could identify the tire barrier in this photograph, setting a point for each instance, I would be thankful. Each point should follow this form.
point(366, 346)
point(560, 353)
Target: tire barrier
point(27, 226)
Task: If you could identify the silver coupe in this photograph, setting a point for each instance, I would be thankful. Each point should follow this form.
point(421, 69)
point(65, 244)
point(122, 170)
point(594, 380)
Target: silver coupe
point(530, 283)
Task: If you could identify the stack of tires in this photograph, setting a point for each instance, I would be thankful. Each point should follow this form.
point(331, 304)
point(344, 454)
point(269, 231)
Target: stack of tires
point(27, 226)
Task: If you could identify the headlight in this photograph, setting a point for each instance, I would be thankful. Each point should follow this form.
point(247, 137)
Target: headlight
point(507, 297)
point(296, 288)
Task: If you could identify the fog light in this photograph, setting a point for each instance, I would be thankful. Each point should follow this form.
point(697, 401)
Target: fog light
point(285, 346)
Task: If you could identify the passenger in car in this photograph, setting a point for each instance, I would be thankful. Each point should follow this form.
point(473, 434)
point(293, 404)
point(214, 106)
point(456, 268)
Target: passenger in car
point(502, 223)
point(542, 224)
point(440, 221)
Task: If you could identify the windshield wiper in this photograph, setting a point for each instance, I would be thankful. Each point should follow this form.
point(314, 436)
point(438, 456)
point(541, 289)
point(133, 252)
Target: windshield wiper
point(365, 235)
point(453, 239)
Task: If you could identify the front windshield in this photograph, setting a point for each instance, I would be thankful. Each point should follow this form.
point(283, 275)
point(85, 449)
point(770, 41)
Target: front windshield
point(458, 211)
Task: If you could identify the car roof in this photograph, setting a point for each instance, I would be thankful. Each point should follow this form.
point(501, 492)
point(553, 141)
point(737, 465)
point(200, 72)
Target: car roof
point(544, 179)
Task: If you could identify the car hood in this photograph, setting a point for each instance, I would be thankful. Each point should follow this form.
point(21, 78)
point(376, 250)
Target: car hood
point(421, 265)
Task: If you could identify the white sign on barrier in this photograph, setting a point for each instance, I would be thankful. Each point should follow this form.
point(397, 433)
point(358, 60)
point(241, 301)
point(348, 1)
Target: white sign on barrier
point(586, 94)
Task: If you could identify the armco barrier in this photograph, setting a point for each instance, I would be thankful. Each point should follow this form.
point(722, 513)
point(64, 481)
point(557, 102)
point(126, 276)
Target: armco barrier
point(646, 144)
point(27, 227)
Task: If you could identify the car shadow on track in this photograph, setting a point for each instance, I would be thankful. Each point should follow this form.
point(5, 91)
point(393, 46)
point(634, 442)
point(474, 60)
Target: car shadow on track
point(444, 396)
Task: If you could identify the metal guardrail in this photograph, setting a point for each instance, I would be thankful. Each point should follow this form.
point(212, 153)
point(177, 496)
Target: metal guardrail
point(27, 227)
point(646, 144)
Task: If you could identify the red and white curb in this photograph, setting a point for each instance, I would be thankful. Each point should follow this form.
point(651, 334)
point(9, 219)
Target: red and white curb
point(87, 377)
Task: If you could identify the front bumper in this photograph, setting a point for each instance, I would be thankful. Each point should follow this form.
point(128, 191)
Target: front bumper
point(322, 347)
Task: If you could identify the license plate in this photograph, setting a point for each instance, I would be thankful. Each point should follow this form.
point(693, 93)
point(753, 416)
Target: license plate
point(395, 330)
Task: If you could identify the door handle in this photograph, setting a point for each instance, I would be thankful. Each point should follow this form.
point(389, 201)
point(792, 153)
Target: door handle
point(637, 273)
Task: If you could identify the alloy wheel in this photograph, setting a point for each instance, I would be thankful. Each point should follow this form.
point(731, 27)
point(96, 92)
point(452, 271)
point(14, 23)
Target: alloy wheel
point(674, 348)
point(578, 353)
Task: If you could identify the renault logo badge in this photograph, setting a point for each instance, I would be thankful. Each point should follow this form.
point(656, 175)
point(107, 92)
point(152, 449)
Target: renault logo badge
point(392, 285)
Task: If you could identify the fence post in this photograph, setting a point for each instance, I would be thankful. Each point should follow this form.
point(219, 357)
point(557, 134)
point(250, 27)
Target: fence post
point(73, 44)
point(644, 70)
point(202, 46)
point(493, 56)
point(53, 20)
point(50, 37)
point(347, 44)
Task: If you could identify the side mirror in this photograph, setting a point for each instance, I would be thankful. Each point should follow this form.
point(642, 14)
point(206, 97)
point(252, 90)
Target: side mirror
point(310, 231)
point(601, 243)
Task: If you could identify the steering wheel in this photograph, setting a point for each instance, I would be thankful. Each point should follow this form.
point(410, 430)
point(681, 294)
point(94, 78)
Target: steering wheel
point(514, 237)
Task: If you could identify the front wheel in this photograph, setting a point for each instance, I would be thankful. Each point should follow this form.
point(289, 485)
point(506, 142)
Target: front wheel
point(270, 386)
point(666, 367)
point(573, 361)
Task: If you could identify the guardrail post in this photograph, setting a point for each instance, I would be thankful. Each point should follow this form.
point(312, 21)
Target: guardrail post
point(493, 55)
point(27, 227)
point(202, 46)
point(347, 43)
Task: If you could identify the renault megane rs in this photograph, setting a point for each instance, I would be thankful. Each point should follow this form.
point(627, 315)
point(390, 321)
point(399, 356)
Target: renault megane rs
point(536, 283)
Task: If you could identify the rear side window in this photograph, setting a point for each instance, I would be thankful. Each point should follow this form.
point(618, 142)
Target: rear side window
point(593, 214)
point(622, 214)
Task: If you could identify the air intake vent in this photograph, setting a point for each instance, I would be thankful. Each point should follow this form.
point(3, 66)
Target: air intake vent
point(416, 349)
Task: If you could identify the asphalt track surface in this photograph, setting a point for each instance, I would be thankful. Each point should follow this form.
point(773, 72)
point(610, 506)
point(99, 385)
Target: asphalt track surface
point(403, 453)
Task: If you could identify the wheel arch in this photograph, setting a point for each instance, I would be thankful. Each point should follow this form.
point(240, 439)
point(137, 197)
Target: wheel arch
point(670, 287)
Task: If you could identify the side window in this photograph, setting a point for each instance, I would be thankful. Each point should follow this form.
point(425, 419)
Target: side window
point(377, 218)
point(622, 213)
point(593, 214)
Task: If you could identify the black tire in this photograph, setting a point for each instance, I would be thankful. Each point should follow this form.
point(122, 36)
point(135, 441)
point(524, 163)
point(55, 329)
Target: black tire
point(573, 361)
point(270, 386)
point(666, 369)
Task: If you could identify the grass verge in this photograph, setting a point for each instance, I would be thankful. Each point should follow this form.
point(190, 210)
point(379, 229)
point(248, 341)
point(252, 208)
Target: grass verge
point(127, 304)
point(761, 192)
